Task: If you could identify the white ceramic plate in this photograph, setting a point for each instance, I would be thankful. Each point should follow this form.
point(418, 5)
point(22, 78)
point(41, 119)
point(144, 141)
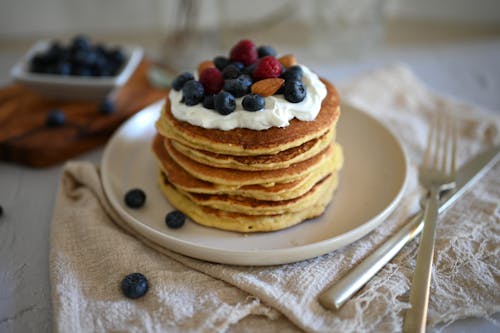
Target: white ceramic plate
point(74, 87)
point(371, 185)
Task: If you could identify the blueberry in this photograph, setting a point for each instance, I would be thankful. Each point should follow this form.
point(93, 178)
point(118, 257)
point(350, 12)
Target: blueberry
point(193, 92)
point(175, 219)
point(1, 211)
point(134, 285)
point(80, 43)
point(265, 50)
point(293, 73)
point(135, 198)
point(249, 69)
point(63, 68)
point(180, 80)
point(208, 102)
point(253, 102)
point(295, 91)
point(238, 87)
point(224, 103)
point(55, 118)
point(221, 62)
point(107, 106)
point(238, 65)
point(231, 72)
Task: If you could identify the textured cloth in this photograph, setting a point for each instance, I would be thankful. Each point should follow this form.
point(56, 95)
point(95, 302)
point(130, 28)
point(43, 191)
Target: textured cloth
point(91, 251)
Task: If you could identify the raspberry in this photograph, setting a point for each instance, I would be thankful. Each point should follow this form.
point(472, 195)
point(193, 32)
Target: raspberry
point(268, 67)
point(212, 81)
point(244, 52)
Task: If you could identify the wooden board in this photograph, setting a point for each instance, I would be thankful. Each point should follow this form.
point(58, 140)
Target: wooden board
point(25, 139)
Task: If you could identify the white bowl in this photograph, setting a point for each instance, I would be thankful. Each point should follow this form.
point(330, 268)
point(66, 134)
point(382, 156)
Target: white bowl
point(74, 87)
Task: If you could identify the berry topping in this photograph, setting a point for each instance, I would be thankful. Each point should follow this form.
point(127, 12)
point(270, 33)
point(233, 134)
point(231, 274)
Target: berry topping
point(265, 50)
point(175, 219)
point(295, 91)
point(224, 103)
point(135, 198)
point(55, 118)
point(221, 62)
point(253, 102)
point(267, 67)
point(193, 92)
point(231, 72)
point(204, 65)
point(134, 285)
point(180, 80)
point(239, 65)
point(238, 87)
point(212, 81)
point(208, 102)
point(107, 106)
point(293, 73)
point(244, 52)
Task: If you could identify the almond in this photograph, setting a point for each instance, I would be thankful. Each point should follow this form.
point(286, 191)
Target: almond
point(204, 65)
point(267, 87)
point(288, 60)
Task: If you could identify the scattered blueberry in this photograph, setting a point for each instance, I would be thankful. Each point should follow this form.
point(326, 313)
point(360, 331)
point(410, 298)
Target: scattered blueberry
point(193, 92)
point(221, 62)
point(293, 73)
point(55, 118)
point(238, 87)
point(253, 102)
point(224, 103)
point(134, 285)
point(175, 219)
point(208, 102)
point(295, 91)
point(265, 50)
point(180, 80)
point(135, 198)
point(107, 107)
point(231, 72)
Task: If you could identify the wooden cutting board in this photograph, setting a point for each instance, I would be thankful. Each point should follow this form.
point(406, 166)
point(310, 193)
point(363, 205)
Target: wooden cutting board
point(25, 139)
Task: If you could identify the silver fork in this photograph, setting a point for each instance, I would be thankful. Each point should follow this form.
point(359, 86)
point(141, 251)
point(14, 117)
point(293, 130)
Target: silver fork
point(437, 173)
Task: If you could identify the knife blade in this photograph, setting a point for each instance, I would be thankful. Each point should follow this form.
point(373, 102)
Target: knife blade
point(336, 295)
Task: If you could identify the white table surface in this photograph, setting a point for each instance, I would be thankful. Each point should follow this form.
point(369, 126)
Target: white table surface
point(467, 70)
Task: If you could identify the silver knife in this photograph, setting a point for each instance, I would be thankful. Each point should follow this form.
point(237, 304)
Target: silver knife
point(335, 296)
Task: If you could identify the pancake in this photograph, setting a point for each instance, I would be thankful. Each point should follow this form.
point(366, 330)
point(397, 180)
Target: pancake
point(247, 142)
point(232, 221)
point(186, 182)
point(240, 177)
point(280, 160)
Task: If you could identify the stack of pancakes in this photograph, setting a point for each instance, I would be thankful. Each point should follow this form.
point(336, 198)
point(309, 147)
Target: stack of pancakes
point(248, 180)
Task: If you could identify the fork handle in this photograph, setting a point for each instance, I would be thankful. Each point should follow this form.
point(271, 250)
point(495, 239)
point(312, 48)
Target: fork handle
point(416, 316)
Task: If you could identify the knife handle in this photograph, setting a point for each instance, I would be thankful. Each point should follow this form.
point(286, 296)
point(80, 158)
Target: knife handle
point(335, 296)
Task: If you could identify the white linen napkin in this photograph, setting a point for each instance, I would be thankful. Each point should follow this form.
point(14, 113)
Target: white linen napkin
point(91, 250)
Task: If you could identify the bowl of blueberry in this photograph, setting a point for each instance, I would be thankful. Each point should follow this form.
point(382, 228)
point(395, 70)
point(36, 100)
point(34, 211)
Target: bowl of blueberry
point(79, 69)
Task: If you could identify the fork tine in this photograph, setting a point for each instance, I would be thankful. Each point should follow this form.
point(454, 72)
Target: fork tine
point(430, 140)
point(454, 147)
point(447, 145)
point(438, 141)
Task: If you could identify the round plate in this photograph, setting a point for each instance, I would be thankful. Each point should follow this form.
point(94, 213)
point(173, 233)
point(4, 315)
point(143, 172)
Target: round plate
point(371, 185)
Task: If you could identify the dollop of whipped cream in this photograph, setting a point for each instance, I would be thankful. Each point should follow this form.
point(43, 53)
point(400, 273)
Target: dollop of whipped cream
point(277, 112)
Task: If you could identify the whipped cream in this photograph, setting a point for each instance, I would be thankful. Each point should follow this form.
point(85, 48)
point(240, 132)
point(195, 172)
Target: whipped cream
point(277, 112)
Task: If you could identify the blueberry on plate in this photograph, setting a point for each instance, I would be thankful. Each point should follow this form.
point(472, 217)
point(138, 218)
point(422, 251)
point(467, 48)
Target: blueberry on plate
point(180, 80)
point(193, 92)
point(295, 91)
point(224, 103)
point(134, 285)
point(135, 198)
point(175, 219)
point(253, 102)
point(55, 118)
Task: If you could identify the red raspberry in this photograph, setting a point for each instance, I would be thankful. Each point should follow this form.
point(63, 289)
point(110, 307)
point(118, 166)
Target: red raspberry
point(268, 67)
point(245, 52)
point(212, 80)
